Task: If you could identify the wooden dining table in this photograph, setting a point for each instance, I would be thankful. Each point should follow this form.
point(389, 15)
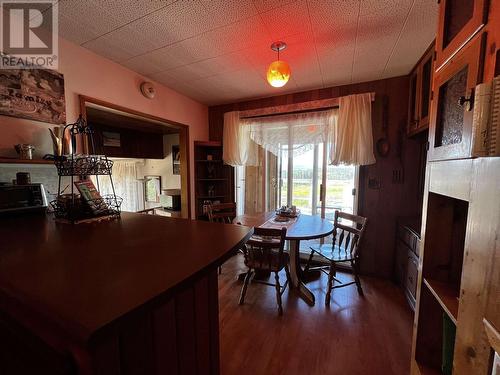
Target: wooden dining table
point(304, 227)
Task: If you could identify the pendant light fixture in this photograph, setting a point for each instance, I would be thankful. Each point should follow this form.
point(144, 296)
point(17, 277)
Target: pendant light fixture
point(278, 72)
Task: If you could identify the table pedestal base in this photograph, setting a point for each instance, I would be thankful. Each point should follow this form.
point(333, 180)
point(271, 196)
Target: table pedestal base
point(296, 273)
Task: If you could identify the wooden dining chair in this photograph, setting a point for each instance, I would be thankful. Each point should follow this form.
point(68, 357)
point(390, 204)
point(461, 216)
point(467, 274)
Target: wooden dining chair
point(264, 252)
point(223, 213)
point(345, 247)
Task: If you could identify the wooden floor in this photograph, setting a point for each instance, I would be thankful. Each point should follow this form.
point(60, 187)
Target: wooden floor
point(356, 335)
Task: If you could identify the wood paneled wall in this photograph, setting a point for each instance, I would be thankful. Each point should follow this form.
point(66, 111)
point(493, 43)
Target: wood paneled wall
point(382, 197)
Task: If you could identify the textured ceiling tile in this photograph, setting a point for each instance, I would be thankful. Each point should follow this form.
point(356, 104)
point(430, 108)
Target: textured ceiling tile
point(336, 65)
point(129, 10)
point(417, 35)
point(142, 64)
point(76, 31)
point(165, 78)
point(289, 20)
point(266, 5)
point(178, 21)
point(101, 21)
point(379, 30)
point(104, 47)
point(334, 22)
point(179, 54)
point(247, 33)
point(224, 12)
point(128, 38)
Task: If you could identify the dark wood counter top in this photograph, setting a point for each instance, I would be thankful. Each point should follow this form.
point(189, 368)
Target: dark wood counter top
point(83, 277)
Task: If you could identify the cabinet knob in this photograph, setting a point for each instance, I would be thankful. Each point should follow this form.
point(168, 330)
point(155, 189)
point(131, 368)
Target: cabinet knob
point(465, 102)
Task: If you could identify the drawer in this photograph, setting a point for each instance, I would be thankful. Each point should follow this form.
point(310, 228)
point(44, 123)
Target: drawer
point(401, 263)
point(412, 274)
point(409, 238)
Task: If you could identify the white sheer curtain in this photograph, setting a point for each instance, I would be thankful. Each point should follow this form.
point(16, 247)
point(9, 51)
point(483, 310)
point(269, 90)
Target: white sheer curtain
point(298, 132)
point(351, 141)
point(125, 182)
point(238, 149)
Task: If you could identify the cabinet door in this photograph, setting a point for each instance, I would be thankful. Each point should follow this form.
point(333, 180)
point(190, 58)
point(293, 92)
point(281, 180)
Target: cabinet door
point(412, 274)
point(451, 108)
point(459, 20)
point(414, 100)
point(401, 263)
point(426, 68)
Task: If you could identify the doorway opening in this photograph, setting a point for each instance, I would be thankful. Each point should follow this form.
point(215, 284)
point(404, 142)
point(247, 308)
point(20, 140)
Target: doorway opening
point(150, 154)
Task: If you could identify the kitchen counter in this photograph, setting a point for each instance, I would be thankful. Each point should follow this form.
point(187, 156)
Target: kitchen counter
point(85, 289)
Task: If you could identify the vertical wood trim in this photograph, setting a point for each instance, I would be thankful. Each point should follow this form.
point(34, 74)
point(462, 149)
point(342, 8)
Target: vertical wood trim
point(165, 339)
point(186, 333)
point(213, 295)
point(202, 323)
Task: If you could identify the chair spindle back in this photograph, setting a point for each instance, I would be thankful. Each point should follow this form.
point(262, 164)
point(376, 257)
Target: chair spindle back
point(222, 213)
point(348, 237)
point(264, 250)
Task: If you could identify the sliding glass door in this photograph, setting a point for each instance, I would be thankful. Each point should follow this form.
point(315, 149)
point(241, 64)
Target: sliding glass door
point(316, 188)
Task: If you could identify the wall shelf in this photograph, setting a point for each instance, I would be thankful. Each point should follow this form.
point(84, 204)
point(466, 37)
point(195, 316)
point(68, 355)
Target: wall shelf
point(446, 295)
point(25, 161)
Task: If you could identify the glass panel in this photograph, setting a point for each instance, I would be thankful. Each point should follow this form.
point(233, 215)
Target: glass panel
point(413, 96)
point(302, 182)
point(458, 13)
point(450, 119)
point(283, 177)
point(426, 84)
point(340, 182)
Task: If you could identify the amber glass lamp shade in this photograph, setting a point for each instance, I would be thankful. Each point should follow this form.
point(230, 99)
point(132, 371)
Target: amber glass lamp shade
point(278, 73)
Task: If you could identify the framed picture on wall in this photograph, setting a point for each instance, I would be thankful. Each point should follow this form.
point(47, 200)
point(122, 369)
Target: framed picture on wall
point(35, 94)
point(176, 159)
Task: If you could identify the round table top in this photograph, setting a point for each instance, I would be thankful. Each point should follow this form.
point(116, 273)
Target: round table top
point(307, 227)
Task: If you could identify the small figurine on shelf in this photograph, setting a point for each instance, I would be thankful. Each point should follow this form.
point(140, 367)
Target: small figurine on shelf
point(211, 190)
point(211, 170)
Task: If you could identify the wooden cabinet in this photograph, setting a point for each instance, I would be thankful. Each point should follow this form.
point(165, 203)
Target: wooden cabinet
point(214, 180)
point(420, 93)
point(451, 109)
point(459, 21)
point(407, 249)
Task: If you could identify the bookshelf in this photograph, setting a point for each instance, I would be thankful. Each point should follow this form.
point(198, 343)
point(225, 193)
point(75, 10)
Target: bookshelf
point(214, 180)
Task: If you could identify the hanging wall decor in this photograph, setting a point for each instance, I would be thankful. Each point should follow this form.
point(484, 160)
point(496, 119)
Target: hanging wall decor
point(35, 94)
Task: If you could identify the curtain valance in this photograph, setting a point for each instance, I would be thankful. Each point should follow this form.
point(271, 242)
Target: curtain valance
point(297, 132)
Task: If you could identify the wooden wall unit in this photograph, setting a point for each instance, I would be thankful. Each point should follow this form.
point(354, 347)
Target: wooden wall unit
point(459, 21)
point(458, 280)
point(214, 180)
point(381, 205)
point(451, 113)
point(420, 93)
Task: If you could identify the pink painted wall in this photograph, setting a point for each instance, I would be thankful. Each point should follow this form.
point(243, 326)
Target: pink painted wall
point(89, 74)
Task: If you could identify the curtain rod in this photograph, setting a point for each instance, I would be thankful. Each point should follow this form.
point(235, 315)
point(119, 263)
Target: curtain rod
point(310, 106)
point(290, 113)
